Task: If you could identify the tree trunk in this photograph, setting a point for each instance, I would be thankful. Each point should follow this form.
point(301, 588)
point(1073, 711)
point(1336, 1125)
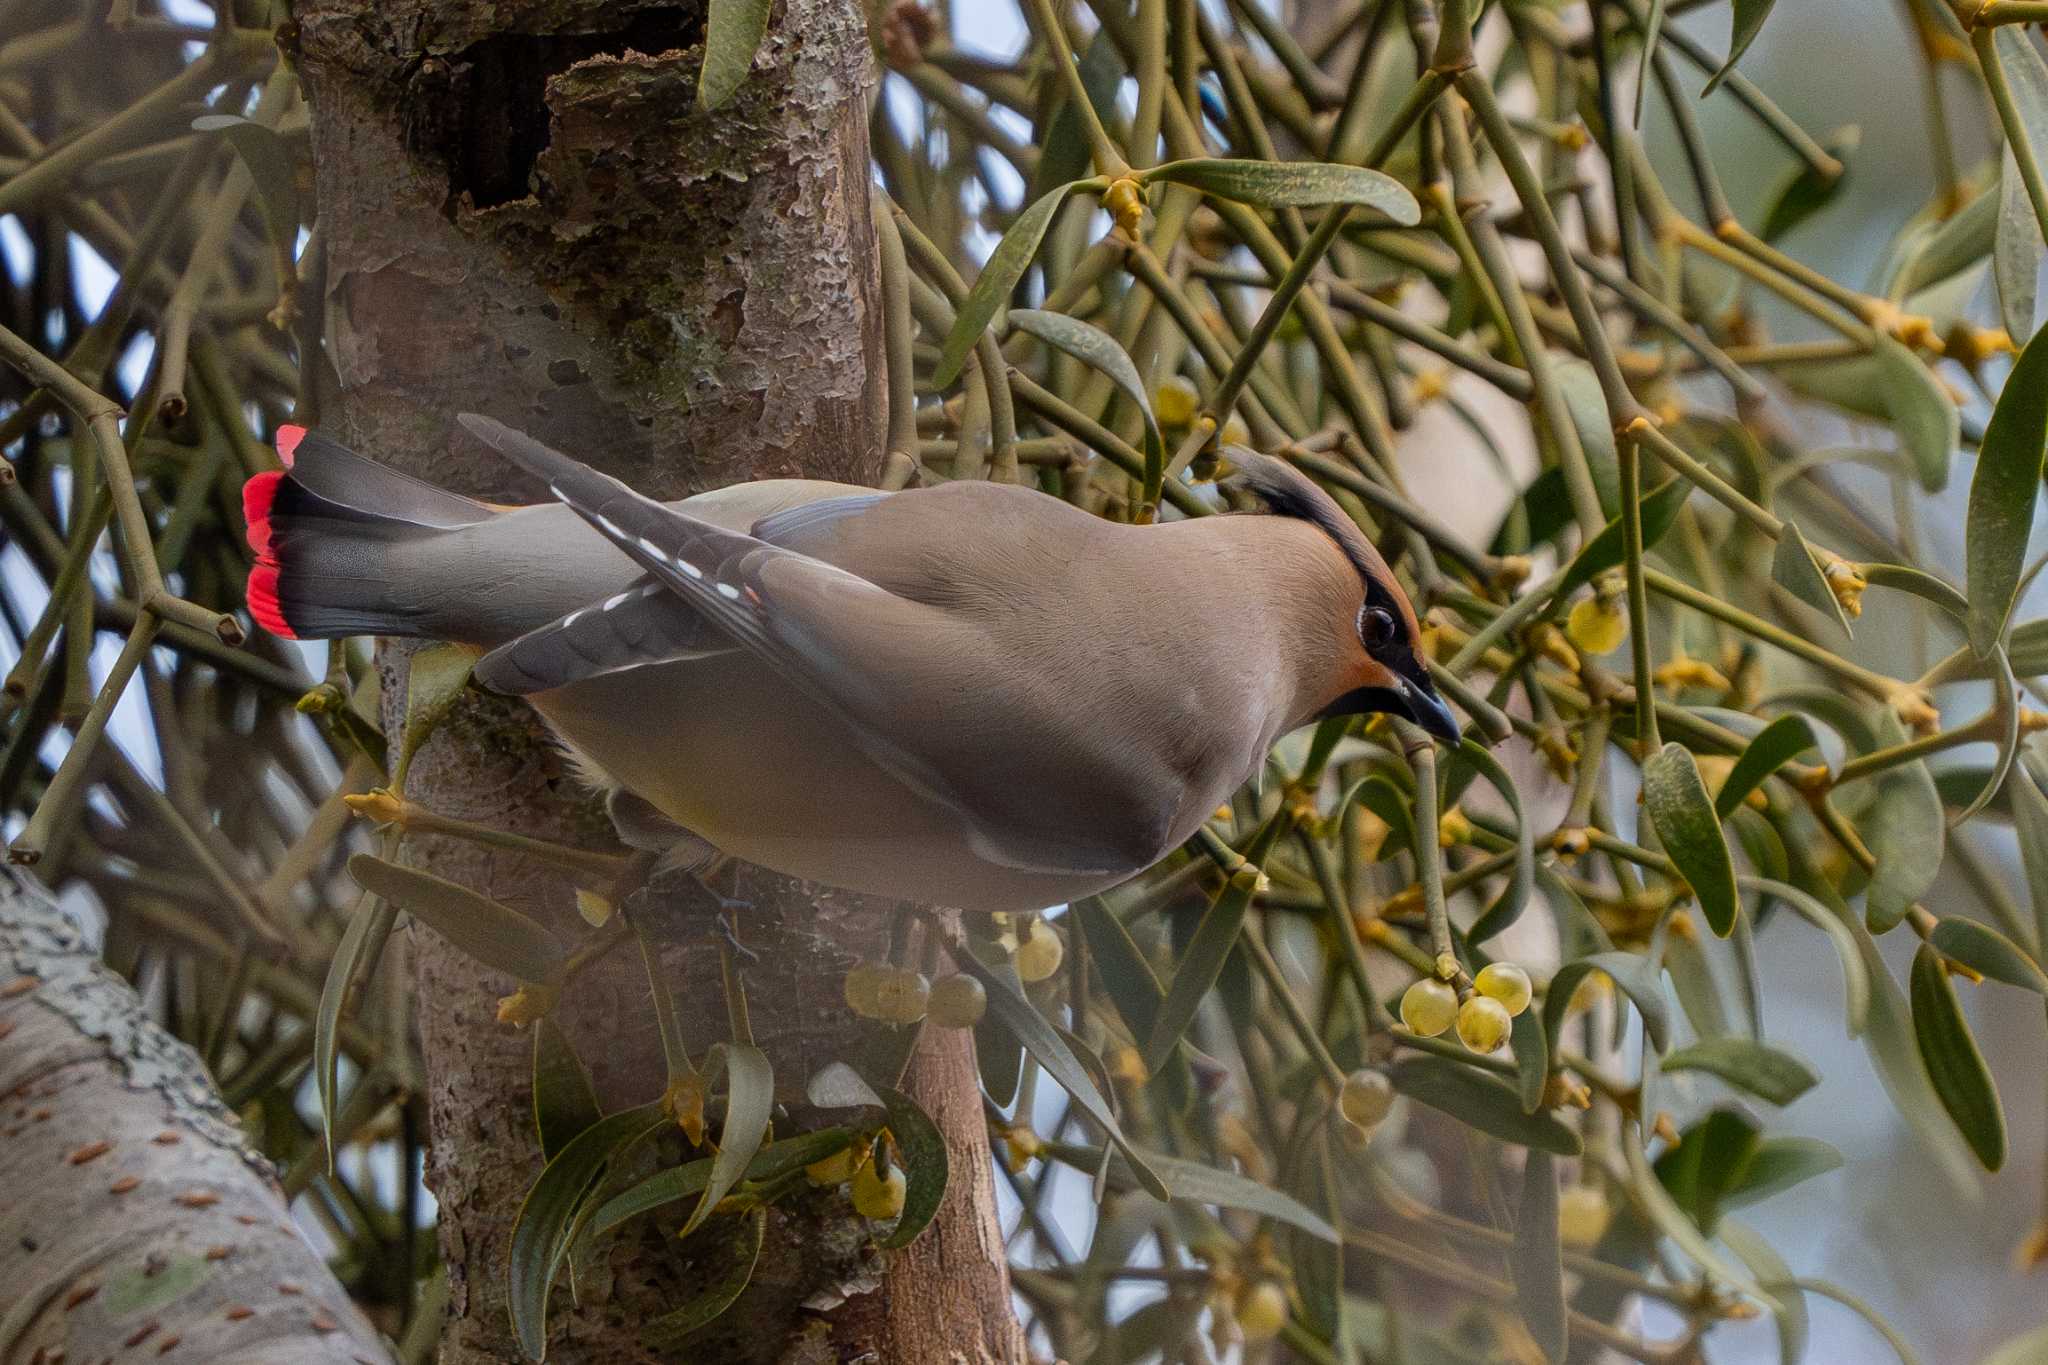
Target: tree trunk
point(140, 1223)
point(527, 214)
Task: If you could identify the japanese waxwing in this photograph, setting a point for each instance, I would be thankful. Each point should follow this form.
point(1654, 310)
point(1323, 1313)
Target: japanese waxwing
point(971, 694)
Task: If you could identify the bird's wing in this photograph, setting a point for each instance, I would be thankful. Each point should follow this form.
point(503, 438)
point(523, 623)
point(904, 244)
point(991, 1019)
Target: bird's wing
point(887, 665)
point(645, 624)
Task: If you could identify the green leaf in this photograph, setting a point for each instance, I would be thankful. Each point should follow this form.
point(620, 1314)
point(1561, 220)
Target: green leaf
point(1683, 815)
point(2017, 257)
point(1586, 404)
point(362, 943)
point(1098, 350)
point(1531, 1047)
point(1317, 1263)
point(1777, 1165)
point(1855, 973)
point(540, 1233)
point(2002, 495)
point(270, 169)
point(495, 935)
point(1631, 973)
point(1006, 265)
point(1202, 1184)
point(1889, 1038)
point(564, 1104)
point(923, 1149)
point(998, 1054)
point(1540, 513)
point(1215, 938)
point(1906, 829)
point(1605, 550)
point(434, 681)
point(2007, 717)
point(1197, 1183)
point(2030, 819)
point(1953, 247)
point(1763, 1071)
point(1954, 1063)
point(1706, 1163)
point(749, 1102)
point(1775, 1276)
point(1986, 951)
point(1378, 794)
point(1926, 419)
point(1481, 1100)
point(1793, 569)
point(680, 1182)
point(1804, 191)
point(1666, 1213)
point(741, 1248)
point(1008, 1005)
point(1537, 1261)
point(2016, 249)
point(733, 30)
point(1777, 744)
point(1920, 583)
point(1132, 986)
point(1291, 184)
point(1697, 984)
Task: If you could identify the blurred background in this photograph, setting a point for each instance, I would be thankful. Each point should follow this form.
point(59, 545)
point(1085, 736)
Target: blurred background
point(1885, 1227)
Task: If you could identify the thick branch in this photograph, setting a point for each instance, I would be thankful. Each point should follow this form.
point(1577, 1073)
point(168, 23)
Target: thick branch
point(139, 1220)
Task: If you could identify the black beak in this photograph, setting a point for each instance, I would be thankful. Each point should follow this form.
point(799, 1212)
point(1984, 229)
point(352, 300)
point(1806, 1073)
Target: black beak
point(1412, 699)
point(1427, 709)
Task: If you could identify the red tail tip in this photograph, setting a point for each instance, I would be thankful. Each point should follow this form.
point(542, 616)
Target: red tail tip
point(263, 603)
point(257, 496)
point(288, 438)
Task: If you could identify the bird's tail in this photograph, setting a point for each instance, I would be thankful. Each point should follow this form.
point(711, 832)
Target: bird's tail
point(336, 539)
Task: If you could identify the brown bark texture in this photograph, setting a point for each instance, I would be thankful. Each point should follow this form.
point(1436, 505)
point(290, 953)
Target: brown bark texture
point(138, 1222)
point(526, 214)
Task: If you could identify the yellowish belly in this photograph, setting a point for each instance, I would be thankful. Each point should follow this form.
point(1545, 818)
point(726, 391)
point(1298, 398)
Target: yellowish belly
point(732, 752)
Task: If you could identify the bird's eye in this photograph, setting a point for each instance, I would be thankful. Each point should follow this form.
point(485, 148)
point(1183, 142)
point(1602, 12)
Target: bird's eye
point(1376, 627)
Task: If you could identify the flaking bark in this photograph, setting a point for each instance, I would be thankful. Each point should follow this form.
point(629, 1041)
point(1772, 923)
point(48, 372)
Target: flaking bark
point(527, 215)
point(139, 1223)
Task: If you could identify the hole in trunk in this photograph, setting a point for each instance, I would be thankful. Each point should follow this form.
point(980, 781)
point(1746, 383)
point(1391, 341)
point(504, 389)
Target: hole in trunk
point(483, 113)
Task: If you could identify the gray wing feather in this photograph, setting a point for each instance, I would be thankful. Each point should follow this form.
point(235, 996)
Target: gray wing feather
point(855, 648)
point(645, 624)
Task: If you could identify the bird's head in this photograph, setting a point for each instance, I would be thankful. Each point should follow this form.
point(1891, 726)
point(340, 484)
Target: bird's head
point(1380, 666)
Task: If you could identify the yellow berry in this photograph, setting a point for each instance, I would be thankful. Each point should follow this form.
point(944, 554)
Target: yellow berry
point(1262, 1311)
point(957, 1001)
point(1483, 1023)
point(1041, 952)
point(863, 988)
point(1597, 626)
point(1366, 1097)
point(1505, 982)
point(1582, 1216)
point(876, 1195)
point(900, 996)
point(1175, 402)
point(1429, 1007)
point(835, 1169)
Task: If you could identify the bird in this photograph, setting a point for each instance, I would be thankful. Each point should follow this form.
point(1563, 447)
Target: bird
point(969, 694)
